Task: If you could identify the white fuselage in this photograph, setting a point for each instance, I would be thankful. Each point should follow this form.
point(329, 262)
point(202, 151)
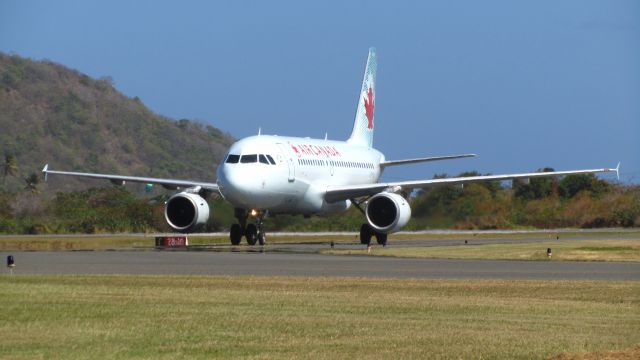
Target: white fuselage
point(291, 175)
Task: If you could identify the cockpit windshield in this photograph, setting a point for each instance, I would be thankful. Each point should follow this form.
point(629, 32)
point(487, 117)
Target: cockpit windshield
point(232, 159)
point(250, 159)
point(246, 159)
point(271, 159)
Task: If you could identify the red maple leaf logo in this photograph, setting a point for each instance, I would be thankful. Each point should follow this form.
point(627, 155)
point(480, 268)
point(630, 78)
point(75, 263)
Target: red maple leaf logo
point(368, 107)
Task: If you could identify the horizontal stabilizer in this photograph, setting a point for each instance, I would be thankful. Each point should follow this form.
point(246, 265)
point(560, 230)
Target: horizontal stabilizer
point(427, 159)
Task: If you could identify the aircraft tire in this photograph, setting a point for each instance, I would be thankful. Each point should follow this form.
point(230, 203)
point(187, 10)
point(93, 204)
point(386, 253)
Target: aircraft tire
point(381, 239)
point(235, 234)
point(262, 238)
point(251, 234)
point(365, 234)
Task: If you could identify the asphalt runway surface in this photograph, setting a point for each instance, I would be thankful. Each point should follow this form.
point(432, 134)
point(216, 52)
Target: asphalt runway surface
point(153, 262)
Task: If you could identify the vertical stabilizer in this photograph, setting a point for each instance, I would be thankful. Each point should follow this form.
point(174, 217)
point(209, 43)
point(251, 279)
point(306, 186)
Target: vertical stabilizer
point(362, 133)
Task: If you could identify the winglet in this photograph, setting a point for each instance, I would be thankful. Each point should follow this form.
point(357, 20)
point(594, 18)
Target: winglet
point(616, 169)
point(44, 170)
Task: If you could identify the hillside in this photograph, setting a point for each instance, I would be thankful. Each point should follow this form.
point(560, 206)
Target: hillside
point(56, 115)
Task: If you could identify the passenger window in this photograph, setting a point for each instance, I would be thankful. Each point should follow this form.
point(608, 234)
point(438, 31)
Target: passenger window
point(263, 159)
point(232, 159)
point(246, 159)
point(270, 159)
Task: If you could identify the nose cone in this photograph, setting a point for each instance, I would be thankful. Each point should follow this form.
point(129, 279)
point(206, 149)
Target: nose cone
point(236, 185)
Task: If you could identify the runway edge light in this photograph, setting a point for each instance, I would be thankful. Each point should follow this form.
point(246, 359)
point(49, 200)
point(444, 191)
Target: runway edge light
point(11, 263)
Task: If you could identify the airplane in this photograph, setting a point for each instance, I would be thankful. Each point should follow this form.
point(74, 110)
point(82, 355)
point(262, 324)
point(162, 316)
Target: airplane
point(263, 175)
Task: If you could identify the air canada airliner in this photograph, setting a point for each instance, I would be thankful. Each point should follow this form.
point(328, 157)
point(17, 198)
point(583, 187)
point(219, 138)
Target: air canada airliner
point(263, 175)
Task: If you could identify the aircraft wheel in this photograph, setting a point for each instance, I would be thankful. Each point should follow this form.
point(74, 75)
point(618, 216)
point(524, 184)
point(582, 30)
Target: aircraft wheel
point(365, 234)
point(381, 239)
point(235, 234)
point(251, 234)
point(262, 238)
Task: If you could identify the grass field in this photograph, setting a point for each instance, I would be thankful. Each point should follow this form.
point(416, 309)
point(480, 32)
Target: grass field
point(101, 242)
point(97, 242)
point(582, 250)
point(147, 317)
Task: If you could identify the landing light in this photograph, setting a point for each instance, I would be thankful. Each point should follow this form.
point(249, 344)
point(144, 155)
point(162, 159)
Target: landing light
point(253, 212)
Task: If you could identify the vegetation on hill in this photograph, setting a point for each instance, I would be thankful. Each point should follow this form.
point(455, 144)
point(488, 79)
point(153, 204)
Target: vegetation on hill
point(56, 115)
point(571, 201)
point(578, 201)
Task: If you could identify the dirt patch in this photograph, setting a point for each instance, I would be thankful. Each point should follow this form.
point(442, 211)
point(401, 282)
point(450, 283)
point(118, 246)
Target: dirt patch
point(631, 354)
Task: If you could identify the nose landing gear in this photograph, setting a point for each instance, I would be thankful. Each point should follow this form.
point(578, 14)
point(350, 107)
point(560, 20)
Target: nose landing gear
point(235, 234)
point(252, 232)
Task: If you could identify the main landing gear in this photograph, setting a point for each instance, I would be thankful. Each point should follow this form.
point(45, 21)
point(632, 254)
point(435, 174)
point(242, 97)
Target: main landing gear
point(253, 232)
point(367, 232)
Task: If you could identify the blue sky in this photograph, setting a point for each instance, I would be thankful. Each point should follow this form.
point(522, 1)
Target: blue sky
point(523, 84)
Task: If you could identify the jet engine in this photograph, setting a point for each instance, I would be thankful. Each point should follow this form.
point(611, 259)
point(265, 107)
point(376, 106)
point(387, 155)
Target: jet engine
point(186, 211)
point(387, 212)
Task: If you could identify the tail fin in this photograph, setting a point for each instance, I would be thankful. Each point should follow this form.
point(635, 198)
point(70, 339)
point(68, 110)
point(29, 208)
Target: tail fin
point(362, 133)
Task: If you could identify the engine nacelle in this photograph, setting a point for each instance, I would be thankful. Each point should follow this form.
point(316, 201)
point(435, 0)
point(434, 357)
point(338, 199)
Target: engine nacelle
point(186, 211)
point(387, 212)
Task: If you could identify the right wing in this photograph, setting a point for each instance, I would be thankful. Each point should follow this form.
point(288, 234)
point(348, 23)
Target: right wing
point(338, 193)
point(119, 179)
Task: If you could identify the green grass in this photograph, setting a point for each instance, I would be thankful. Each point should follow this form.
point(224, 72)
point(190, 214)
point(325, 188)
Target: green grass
point(148, 317)
point(578, 250)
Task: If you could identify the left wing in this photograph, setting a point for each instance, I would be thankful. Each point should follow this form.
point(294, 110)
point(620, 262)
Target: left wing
point(119, 179)
point(385, 164)
point(338, 193)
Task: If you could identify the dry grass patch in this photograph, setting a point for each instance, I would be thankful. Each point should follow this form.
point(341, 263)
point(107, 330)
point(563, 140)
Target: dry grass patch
point(579, 250)
point(67, 243)
point(101, 242)
point(273, 317)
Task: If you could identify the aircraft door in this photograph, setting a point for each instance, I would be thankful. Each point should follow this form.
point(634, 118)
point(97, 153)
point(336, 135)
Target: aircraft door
point(330, 162)
point(286, 154)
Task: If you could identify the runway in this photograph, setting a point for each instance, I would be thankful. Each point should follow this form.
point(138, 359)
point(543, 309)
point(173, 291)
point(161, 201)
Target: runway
point(151, 262)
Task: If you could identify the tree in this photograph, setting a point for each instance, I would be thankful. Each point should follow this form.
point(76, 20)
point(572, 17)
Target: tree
point(537, 188)
point(31, 183)
point(492, 186)
point(10, 166)
point(571, 185)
